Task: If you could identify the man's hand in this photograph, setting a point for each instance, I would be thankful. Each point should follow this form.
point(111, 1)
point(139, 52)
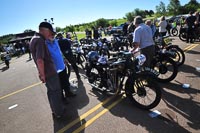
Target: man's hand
point(40, 64)
point(135, 47)
point(42, 78)
point(66, 61)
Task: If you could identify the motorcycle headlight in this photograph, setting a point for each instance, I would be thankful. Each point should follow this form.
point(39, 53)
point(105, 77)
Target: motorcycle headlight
point(141, 59)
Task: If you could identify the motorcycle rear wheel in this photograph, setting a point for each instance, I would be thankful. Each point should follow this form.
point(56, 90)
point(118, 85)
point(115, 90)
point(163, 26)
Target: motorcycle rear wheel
point(167, 69)
point(180, 56)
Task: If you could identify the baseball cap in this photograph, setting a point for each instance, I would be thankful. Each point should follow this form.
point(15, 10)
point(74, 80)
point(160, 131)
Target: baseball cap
point(46, 25)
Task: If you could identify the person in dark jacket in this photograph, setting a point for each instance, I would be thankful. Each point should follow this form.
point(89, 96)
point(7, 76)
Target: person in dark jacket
point(95, 33)
point(65, 47)
point(190, 21)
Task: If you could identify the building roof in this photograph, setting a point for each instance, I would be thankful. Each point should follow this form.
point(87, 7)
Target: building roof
point(22, 36)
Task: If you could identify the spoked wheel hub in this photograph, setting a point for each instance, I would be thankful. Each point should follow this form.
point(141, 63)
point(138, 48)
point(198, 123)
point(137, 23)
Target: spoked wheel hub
point(141, 92)
point(162, 69)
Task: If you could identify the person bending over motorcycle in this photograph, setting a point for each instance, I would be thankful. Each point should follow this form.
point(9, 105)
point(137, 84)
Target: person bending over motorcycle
point(142, 39)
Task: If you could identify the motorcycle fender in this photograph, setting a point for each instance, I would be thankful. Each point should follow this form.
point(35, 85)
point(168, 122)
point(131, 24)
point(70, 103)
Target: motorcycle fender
point(151, 72)
point(129, 85)
point(172, 46)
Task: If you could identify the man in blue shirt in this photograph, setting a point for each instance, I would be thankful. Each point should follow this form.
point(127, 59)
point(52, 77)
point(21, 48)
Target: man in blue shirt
point(58, 60)
point(65, 47)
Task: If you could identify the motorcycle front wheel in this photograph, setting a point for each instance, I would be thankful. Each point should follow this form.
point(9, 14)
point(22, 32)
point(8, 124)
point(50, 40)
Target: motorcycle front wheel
point(183, 36)
point(143, 91)
point(174, 32)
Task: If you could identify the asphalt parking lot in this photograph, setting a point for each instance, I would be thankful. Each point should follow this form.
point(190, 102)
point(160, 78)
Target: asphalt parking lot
point(24, 105)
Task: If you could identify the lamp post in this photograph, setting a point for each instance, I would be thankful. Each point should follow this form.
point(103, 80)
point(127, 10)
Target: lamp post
point(50, 21)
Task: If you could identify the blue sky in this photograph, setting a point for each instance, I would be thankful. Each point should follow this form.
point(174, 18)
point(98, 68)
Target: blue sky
point(18, 15)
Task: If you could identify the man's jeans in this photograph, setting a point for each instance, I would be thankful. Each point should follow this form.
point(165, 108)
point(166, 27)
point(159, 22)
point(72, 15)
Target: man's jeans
point(54, 94)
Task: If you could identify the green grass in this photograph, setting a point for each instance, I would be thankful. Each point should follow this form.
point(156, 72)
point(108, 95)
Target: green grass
point(121, 21)
point(80, 35)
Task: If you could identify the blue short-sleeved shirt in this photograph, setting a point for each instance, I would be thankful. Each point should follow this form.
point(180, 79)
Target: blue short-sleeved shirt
point(56, 55)
point(143, 35)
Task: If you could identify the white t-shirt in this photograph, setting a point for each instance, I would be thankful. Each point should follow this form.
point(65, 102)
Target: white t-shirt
point(162, 26)
point(143, 35)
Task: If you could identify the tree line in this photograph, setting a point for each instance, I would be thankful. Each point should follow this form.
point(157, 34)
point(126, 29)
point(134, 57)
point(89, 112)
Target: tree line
point(175, 8)
point(172, 9)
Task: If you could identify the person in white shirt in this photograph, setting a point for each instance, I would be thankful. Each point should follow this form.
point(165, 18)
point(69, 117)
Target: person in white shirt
point(162, 26)
point(143, 39)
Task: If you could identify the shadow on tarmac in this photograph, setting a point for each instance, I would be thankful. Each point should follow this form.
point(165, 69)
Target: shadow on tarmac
point(193, 52)
point(75, 103)
point(189, 69)
point(187, 107)
point(4, 68)
point(167, 121)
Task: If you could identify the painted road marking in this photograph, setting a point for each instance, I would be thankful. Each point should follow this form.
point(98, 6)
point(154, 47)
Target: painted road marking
point(13, 106)
point(190, 47)
point(20, 90)
point(83, 116)
point(89, 122)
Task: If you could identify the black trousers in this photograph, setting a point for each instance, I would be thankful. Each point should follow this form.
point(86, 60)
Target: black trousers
point(163, 33)
point(190, 34)
point(69, 56)
point(149, 52)
point(64, 81)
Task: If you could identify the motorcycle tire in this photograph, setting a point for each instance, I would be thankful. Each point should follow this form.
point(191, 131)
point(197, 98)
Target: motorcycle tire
point(138, 95)
point(174, 32)
point(81, 59)
point(182, 36)
point(68, 69)
point(180, 55)
point(163, 67)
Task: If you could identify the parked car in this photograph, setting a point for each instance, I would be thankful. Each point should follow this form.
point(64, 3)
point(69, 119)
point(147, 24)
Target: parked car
point(117, 29)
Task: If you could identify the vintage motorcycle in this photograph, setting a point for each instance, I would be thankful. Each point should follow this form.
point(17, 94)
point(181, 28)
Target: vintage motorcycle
point(109, 75)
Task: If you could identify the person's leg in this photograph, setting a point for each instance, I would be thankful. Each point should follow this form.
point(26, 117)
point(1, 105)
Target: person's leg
point(62, 85)
point(164, 33)
point(65, 85)
point(29, 52)
point(72, 61)
point(192, 35)
point(149, 52)
point(54, 95)
point(188, 35)
point(7, 63)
